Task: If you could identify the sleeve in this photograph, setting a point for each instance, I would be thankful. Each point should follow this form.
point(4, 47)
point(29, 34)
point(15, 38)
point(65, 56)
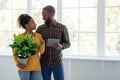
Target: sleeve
point(42, 46)
point(14, 57)
point(65, 39)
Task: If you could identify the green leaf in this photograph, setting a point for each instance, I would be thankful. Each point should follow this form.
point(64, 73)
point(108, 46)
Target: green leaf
point(25, 46)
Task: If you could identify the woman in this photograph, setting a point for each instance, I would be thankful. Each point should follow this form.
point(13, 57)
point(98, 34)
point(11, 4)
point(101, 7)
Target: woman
point(31, 71)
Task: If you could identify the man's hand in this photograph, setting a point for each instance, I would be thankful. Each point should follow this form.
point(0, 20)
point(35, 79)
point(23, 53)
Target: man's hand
point(42, 41)
point(57, 46)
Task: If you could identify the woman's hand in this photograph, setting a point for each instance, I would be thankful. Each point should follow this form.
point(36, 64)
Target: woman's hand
point(21, 66)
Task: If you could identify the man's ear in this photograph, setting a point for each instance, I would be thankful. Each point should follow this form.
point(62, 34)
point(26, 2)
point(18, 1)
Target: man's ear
point(52, 14)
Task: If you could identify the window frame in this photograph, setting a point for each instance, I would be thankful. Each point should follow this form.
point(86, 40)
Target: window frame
point(100, 25)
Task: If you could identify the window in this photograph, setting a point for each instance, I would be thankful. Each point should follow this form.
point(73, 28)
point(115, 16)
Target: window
point(112, 27)
point(80, 16)
point(9, 12)
point(93, 25)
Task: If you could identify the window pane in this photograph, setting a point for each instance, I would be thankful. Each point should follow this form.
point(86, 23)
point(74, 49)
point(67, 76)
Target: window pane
point(19, 4)
point(112, 2)
point(88, 3)
point(37, 15)
point(112, 44)
point(112, 19)
point(4, 43)
point(70, 19)
point(50, 2)
point(87, 44)
point(73, 50)
point(70, 3)
point(5, 20)
point(5, 4)
point(37, 4)
point(16, 14)
point(88, 20)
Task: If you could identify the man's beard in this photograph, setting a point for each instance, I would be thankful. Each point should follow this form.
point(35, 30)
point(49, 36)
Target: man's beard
point(48, 22)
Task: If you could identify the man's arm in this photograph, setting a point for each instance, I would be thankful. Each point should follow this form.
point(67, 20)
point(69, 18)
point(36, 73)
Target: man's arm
point(65, 39)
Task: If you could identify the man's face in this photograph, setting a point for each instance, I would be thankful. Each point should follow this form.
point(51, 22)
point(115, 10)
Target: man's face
point(46, 17)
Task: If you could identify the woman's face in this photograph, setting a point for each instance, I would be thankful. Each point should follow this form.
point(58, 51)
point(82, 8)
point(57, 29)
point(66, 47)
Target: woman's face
point(31, 25)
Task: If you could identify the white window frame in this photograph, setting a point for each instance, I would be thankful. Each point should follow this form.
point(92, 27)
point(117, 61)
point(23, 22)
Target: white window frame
point(100, 27)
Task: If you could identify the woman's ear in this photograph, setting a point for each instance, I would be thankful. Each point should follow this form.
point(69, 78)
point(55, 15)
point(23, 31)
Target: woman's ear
point(26, 26)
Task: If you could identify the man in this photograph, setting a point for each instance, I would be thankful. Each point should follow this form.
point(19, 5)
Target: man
point(51, 60)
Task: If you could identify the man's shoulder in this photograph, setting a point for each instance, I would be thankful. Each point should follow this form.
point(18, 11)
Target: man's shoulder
point(60, 25)
point(41, 26)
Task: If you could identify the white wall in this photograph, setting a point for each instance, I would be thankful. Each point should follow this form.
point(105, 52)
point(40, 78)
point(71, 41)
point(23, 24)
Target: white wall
point(75, 69)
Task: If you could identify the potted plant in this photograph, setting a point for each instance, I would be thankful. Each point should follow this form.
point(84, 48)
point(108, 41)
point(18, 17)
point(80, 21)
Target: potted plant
point(24, 46)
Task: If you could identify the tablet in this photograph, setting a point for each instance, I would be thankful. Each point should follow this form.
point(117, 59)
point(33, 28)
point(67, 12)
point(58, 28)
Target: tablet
point(51, 41)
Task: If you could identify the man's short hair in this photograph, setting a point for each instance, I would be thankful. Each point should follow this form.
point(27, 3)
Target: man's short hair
point(50, 9)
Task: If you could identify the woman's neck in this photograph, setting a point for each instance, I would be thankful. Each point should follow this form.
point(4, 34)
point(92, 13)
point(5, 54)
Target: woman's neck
point(30, 32)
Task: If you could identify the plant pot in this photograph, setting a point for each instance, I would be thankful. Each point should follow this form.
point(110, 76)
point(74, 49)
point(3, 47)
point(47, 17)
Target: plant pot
point(23, 61)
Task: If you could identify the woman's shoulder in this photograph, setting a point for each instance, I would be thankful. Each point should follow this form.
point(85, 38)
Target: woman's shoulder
point(22, 34)
point(38, 35)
